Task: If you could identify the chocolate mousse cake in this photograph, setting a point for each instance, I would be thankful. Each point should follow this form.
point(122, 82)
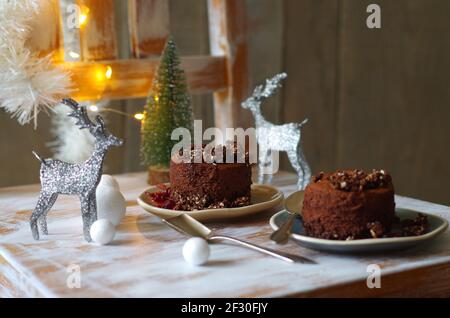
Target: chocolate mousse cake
point(202, 184)
point(349, 204)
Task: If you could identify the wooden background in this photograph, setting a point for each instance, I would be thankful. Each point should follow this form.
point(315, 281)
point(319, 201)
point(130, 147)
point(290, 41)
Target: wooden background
point(376, 98)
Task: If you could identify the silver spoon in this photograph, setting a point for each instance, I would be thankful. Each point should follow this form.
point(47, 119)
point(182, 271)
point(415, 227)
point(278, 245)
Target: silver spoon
point(189, 226)
point(292, 205)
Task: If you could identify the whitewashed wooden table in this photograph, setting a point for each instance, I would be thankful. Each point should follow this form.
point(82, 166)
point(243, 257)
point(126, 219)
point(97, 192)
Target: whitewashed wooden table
point(145, 259)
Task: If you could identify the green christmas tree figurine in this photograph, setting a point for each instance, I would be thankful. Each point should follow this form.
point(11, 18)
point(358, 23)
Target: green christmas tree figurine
point(168, 107)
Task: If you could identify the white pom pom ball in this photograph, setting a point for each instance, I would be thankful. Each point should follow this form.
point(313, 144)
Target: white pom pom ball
point(111, 204)
point(102, 231)
point(196, 251)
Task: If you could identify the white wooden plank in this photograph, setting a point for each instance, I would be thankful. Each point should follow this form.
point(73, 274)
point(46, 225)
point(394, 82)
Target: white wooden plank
point(70, 31)
point(228, 37)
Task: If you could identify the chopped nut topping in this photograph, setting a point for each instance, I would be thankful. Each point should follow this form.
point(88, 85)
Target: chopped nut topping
point(197, 202)
point(376, 229)
point(355, 180)
point(231, 151)
point(415, 227)
point(318, 176)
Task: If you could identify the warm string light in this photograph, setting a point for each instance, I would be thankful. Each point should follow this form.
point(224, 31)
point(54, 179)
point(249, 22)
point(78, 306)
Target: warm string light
point(74, 55)
point(101, 73)
point(108, 72)
point(82, 18)
point(138, 116)
point(93, 108)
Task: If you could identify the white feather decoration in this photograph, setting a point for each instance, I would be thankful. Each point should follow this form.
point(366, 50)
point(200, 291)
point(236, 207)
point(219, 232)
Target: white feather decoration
point(28, 83)
point(71, 143)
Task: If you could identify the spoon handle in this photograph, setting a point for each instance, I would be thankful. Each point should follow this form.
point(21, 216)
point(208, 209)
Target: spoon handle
point(281, 235)
point(290, 258)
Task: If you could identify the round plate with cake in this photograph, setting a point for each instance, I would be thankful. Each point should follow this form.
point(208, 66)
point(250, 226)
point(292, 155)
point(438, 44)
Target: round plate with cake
point(262, 198)
point(354, 211)
point(209, 190)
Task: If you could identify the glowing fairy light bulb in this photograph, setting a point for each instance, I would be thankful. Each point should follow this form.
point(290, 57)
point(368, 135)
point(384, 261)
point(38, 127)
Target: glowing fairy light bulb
point(74, 55)
point(82, 18)
point(93, 108)
point(99, 74)
point(108, 72)
point(156, 98)
point(139, 116)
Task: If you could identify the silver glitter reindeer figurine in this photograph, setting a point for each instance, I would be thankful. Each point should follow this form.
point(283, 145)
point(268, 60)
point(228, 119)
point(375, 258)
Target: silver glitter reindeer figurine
point(58, 177)
point(272, 137)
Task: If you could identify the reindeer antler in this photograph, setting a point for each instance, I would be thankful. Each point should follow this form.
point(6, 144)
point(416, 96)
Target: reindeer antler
point(80, 114)
point(271, 85)
point(262, 92)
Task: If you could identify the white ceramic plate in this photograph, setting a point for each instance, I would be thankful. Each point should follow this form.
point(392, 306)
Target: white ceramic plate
point(437, 225)
point(263, 197)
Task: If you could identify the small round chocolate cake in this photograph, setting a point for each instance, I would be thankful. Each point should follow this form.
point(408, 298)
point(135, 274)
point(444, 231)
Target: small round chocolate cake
point(349, 204)
point(208, 185)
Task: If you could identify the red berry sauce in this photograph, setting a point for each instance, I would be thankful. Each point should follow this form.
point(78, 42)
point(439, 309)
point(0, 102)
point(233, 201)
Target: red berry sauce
point(161, 199)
